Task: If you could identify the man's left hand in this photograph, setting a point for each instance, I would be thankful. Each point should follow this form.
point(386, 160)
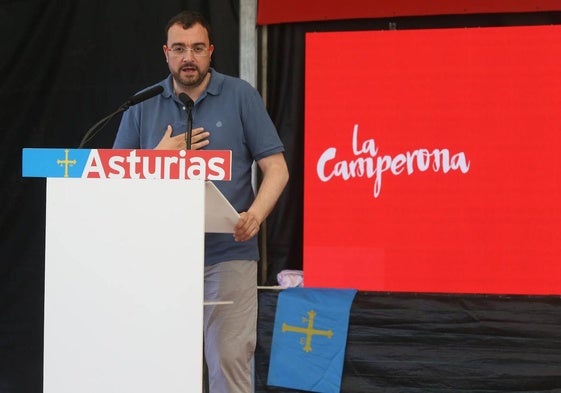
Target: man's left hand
point(247, 227)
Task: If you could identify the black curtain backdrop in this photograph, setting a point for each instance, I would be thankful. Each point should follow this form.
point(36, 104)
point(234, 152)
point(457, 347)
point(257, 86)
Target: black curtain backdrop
point(66, 64)
point(63, 66)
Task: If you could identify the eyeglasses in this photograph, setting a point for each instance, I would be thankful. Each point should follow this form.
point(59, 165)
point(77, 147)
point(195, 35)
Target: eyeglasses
point(181, 51)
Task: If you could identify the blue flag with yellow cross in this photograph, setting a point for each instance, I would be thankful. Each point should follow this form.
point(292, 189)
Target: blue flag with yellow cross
point(309, 339)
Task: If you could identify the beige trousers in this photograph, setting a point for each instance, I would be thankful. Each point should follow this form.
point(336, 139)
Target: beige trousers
point(230, 329)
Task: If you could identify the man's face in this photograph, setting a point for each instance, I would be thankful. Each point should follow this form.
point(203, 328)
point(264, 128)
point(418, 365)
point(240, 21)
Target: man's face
point(188, 53)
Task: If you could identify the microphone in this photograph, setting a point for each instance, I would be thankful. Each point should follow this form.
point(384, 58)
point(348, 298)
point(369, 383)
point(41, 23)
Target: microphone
point(135, 99)
point(188, 102)
point(143, 96)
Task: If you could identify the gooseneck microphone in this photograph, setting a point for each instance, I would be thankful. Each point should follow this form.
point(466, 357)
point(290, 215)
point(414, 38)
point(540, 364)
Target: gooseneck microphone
point(143, 96)
point(188, 102)
point(136, 99)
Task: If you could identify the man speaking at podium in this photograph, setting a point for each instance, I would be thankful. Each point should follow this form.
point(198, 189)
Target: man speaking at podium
point(219, 112)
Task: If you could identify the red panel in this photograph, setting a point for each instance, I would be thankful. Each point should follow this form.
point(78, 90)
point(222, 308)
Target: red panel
point(275, 11)
point(462, 132)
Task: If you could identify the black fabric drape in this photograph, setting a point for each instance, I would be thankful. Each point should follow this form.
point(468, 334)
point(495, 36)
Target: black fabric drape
point(428, 343)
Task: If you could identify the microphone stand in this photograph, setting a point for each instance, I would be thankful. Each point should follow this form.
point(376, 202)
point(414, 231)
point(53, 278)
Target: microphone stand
point(100, 124)
point(136, 99)
point(188, 103)
point(189, 108)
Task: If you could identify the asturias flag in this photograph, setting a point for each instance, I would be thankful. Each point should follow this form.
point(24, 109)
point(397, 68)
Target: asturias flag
point(309, 339)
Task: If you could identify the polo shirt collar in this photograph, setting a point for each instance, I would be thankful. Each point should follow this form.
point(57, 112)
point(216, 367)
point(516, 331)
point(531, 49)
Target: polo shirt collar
point(216, 82)
point(168, 87)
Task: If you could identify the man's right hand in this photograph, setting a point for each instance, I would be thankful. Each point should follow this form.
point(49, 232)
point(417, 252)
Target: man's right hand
point(198, 140)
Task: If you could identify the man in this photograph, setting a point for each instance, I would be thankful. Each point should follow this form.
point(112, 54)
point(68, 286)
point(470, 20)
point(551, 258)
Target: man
point(228, 114)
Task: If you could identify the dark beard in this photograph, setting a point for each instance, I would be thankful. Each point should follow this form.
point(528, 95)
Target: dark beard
point(190, 82)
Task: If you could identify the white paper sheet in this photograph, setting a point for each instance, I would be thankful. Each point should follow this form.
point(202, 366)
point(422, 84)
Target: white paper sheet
point(220, 215)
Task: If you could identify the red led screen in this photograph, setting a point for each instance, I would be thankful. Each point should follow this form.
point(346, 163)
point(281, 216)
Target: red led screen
point(433, 160)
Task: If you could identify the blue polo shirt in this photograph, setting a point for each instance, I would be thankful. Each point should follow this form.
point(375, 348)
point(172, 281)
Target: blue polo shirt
point(234, 114)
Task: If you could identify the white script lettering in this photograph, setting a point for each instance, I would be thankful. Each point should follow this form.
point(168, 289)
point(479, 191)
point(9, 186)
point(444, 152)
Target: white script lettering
point(371, 165)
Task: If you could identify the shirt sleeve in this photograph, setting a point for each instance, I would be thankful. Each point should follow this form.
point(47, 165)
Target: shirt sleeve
point(260, 132)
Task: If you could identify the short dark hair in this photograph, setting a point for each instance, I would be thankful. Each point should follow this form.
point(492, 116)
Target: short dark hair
point(188, 19)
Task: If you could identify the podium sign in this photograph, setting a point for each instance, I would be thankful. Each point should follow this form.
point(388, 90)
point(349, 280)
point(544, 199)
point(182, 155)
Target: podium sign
point(128, 164)
point(124, 272)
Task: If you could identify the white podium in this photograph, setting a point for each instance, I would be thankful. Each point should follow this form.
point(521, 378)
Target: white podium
point(124, 273)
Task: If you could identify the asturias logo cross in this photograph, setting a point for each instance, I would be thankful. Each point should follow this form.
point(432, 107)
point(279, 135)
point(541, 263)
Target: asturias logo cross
point(66, 162)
